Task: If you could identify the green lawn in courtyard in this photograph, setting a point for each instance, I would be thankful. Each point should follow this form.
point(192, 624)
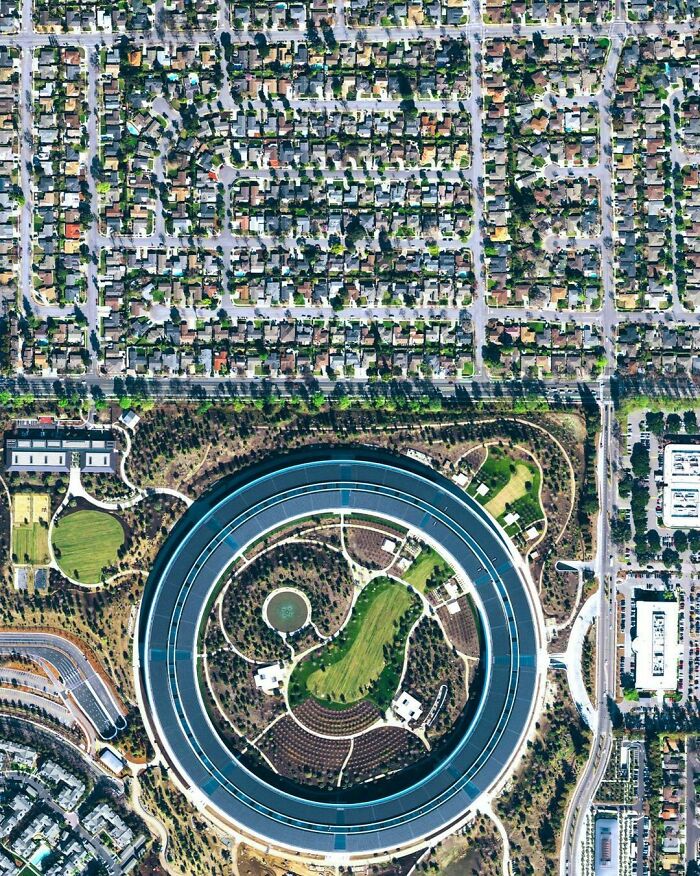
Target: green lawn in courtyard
point(86, 542)
point(428, 570)
point(365, 661)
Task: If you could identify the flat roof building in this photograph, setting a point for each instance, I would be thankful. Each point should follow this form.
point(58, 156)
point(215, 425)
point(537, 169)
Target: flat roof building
point(269, 678)
point(53, 447)
point(682, 485)
point(607, 846)
point(112, 761)
point(656, 645)
point(407, 707)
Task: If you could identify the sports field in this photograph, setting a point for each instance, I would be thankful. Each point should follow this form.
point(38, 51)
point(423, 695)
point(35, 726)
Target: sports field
point(86, 542)
point(30, 520)
point(366, 659)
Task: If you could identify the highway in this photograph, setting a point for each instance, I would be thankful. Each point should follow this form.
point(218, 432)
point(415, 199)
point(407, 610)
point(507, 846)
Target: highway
point(217, 529)
point(471, 390)
point(78, 678)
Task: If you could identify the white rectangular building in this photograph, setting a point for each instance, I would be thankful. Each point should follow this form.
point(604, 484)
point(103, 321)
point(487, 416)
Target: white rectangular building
point(407, 707)
point(656, 645)
point(682, 485)
point(607, 846)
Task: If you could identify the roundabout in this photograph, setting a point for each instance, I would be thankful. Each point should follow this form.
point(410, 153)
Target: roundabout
point(214, 536)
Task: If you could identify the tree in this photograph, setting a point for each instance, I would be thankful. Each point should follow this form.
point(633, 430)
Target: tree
point(640, 461)
point(655, 422)
point(690, 421)
point(538, 43)
point(654, 541)
point(625, 484)
point(680, 540)
point(670, 558)
point(620, 529)
point(673, 424)
point(491, 354)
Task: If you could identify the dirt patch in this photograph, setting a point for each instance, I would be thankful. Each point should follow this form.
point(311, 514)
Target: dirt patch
point(461, 628)
point(382, 751)
point(367, 545)
point(337, 722)
point(194, 848)
point(558, 592)
point(302, 756)
point(252, 863)
point(476, 852)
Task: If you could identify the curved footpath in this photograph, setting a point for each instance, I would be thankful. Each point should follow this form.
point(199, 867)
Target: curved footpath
point(238, 511)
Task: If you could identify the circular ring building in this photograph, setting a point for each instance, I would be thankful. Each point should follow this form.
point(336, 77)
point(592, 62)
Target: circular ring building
point(202, 547)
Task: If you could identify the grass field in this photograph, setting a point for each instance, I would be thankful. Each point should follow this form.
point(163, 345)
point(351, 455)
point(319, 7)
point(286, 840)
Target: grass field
point(508, 481)
point(515, 489)
point(356, 665)
point(30, 519)
point(428, 570)
point(494, 473)
point(86, 542)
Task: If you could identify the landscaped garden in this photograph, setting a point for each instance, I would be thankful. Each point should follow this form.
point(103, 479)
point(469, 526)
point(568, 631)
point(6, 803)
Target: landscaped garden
point(349, 660)
point(320, 573)
point(290, 696)
point(508, 486)
point(366, 659)
point(428, 570)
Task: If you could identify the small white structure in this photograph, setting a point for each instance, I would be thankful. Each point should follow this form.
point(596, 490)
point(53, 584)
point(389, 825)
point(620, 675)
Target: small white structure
point(452, 589)
point(130, 419)
point(269, 678)
point(656, 645)
point(531, 533)
point(112, 761)
point(482, 490)
point(389, 546)
point(681, 485)
point(511, 518)
point(454, 607)
point(407, 707)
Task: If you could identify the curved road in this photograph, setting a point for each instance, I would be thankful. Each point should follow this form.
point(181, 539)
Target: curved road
point(76, 672)
point(237, 512)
